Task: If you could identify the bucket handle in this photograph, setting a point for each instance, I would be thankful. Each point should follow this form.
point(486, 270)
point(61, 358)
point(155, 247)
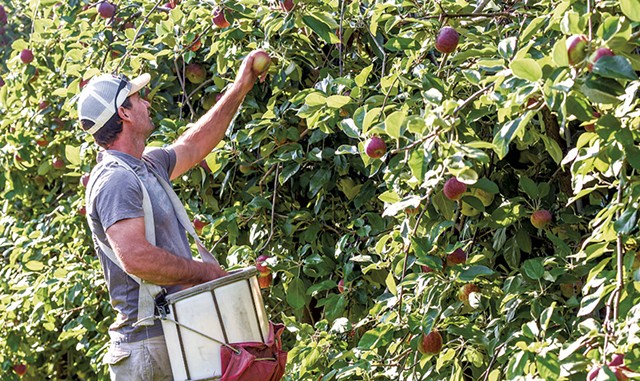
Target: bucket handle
point(236, 351)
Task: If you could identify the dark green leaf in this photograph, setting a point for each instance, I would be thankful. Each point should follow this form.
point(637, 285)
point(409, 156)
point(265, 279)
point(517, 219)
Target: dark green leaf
point(473, 272)
point(533, 268)
point(627, 221)
point(616, 67)
point(295, 293)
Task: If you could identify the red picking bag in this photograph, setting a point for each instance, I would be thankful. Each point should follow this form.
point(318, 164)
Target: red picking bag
point(254, 361)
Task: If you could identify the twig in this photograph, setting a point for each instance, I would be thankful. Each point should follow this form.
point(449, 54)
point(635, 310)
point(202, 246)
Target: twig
point(135, 38)
point(273, 207)
point(185, 96)
point(472, 98)
point(341, 30)
point(415, 143)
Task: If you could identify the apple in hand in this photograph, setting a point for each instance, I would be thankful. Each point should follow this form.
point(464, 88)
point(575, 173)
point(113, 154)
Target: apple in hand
point(106, 10)
point(541, 218)
point(261, 62)
point(219, 19)
point(577, 49)
point(375, 147)
point(447, 40)
point(453, 189)
point(430, 344)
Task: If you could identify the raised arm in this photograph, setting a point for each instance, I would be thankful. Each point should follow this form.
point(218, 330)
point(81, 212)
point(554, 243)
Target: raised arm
point(153, 264)
point(196, 143)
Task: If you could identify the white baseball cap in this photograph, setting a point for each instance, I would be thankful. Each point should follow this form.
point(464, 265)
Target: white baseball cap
point(101, 97)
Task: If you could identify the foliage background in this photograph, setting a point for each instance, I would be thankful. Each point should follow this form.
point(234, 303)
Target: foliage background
point(505, 113)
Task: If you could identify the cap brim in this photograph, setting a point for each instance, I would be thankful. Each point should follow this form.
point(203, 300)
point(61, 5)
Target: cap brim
point(139, 82)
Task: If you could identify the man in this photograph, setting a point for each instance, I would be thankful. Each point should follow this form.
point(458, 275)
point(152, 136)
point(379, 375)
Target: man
point(113, 112)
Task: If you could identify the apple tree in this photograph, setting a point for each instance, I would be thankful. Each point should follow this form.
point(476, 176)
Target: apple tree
point(437, 190)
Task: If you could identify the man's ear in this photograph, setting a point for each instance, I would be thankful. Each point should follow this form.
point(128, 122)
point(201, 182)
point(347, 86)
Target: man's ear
point(123, 113)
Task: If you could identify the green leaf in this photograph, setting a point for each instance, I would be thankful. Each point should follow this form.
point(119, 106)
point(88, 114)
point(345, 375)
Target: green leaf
point(602, 90)
point(548, 366)
point(315, 99)
point(473, 272)
point(288, 171)
point(419, 163)
point(506, 134)
point(391, 284)
point(627, 221)
point(445, 206)
point(393, 124)
point(349, 127)
point(295, 293)
point(616, 67)
point(72, 153)
point(533, 268)
point(524, 240)
point(633, 155)
point(560, 55)
point(526, 68)
point(34, 265)
point(631, 9)
point(529, 187)
point(319, 180)
point(361, 78)
point(337, 101)
point(321, 28)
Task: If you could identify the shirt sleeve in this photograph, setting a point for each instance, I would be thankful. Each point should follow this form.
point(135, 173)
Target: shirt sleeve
point(118, 196)
point(162, 160)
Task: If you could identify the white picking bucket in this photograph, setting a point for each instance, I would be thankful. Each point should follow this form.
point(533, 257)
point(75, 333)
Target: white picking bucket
point(229, 309)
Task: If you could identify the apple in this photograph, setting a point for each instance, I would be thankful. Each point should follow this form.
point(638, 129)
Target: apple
point(106, 10)
point(577, 48)
point(219, 19)
point(83, 83)
point(591, 127)
point(3, 15)
point(617, 370)
point(375, 147)
point(26, 56)
point(261, 266)
point(411, 210)
point(447, 40)
point(485, 197)
point(84, 179)
point(430, 344)
point(196, 44)
point(208, 100)
point(617, 359)
point(196, 73)
point(457, 257)
point(261, 62)
point(205, 166)
point(599, 53)
point(82, 210)
point(426, 269)
point(265, 279)
point(169, 5)
point(58, 163)
point(20, 369)
point(454, 189)
point(199, 224)
point(1, 82)
point(541, 218)
point(42, 142)
point(570, 289)
point(532, 102)
point(286, 5)
point(465, 291)
point(341, 286)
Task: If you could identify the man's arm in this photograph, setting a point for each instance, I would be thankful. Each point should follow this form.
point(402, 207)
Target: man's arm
point(151, 263)
point(196, 143)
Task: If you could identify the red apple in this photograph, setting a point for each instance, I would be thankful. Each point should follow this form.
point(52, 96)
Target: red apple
point(26, 56)
point(1, 82)
point(426, 269)
point(82, 210)
point(261, 266)
point(205, 166)
point(264, 280)
point(199, 224)
point(219, 19)
point(617, 359)
point(170, 5)
point(58, 163)
point(430, 344)
point(375, 147)
point(577, 49)
point(106, 10)
point(411, 210)
point(84, 179)
point(42, 142)
point(541, 218)
point(196, 73)
point(453, 189)
point(83, 83)
point(591, 127)
point(261, 62)
point(286, 5)
point(463, 293)
point(599, 53)
point(3, 15)
point(341, 286)
point(617, 370)
point(457, 257)
point(447, 40)
point(20, 369)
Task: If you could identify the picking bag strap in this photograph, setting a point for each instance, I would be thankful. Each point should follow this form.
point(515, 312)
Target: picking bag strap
point(183, 218)
point(147, 291)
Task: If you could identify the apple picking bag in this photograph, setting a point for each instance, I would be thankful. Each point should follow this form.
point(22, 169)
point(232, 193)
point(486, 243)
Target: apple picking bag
point(253, 361)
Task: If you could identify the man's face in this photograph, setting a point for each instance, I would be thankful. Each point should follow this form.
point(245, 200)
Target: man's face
point(140, 113)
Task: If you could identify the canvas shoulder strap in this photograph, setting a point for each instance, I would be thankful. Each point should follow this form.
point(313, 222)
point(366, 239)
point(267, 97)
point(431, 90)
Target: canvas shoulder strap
point(148, 291)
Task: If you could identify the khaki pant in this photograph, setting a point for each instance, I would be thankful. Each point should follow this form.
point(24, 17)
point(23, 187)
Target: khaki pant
point(145, 360)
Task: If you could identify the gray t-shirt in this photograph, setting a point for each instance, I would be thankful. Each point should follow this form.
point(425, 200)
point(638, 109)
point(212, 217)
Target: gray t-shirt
point(116, 195)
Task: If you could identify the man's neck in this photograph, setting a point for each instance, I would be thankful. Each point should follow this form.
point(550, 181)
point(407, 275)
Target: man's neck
point(131, 145)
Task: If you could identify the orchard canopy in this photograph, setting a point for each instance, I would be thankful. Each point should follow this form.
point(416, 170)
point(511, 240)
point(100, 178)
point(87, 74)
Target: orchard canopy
point(525, 267)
